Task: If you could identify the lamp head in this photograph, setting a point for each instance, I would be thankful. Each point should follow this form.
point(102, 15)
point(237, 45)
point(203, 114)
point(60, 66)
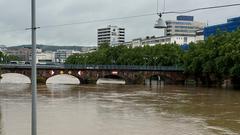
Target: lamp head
point(160, 23)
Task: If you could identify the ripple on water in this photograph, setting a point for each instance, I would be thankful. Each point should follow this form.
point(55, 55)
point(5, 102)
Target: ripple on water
point(221, 131)
point(113, 110)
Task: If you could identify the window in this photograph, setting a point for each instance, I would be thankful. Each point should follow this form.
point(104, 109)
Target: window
point(185, 40)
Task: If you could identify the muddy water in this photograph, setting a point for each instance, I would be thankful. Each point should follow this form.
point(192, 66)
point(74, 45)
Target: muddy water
point(120, 110)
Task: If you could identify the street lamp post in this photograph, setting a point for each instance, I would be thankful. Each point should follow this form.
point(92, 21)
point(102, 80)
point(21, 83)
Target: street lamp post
point(34, 70)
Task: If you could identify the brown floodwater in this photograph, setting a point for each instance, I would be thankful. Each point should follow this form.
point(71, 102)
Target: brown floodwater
point(120, 110)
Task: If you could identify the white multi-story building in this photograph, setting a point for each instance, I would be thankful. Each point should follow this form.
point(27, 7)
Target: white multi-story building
point(113, 35)
point(61, 55)
point(151, 41)
point(182, 31)
point(45, 57)
point(183, 26)
point(199, 35)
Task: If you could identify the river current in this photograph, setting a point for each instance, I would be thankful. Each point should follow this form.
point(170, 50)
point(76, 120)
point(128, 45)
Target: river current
point(120, 110)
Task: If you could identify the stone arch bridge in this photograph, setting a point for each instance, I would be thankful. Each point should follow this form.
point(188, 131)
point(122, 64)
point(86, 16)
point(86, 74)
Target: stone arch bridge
point(91, 73)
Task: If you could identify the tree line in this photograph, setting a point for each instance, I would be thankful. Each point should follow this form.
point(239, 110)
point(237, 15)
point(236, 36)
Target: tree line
point(159, 55)
point(217, 58)
point(5, 58)
point(212, 60)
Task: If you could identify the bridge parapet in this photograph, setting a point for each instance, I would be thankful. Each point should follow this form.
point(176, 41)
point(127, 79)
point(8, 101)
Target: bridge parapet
point(97, 67)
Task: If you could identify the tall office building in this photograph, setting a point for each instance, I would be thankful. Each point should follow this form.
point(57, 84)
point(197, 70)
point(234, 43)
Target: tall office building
point(112, 35)
point(183, 26)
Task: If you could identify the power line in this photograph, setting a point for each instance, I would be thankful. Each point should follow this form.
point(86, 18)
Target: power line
point(100, 20)
point(13, 30)
point(137, 16)
point(197, 9)
point(123, 18)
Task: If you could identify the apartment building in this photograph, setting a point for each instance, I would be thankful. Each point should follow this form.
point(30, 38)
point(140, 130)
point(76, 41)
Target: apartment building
point(113, 35)
point(183, 26)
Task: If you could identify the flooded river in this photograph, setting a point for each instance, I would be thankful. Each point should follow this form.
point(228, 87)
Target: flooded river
point(120, 110)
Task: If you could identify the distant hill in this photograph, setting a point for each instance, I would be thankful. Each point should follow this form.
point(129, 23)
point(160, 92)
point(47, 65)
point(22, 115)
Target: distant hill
point(52, 47)
point(2, 46)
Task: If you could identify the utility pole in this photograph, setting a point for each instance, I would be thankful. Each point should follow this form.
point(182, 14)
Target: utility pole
point(34, 70)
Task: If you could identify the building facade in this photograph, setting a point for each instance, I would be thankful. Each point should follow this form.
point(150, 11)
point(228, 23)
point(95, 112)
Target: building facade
point(23, 54)
point(113, 35)
point(232, 25)
point(61, 55)
point(45, 57)
point(199, 35)
point(151, 41)
point(183, 26)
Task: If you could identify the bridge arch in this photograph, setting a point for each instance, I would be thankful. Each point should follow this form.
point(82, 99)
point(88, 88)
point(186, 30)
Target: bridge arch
point(63, 79)
point(112, 76)
point(15, 78)
point(111, 79)
point(160, 77)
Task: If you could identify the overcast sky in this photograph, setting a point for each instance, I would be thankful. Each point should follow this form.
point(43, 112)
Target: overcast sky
point(15, 14)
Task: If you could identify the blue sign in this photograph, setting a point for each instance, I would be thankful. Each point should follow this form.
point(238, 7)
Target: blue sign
point(185, 18)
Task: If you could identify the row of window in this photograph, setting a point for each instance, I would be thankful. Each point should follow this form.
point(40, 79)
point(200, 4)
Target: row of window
point(186, 27)
point(108, 29)
point(104, 29)
point(186, 31)
point(100, 38)
point(107, 32)
point(182, 23)
point(157, 41)
point(180, 38)
point(104, 35)
point(107, 39)
point(181, 34)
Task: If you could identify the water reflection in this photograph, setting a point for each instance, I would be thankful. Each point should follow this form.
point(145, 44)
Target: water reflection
point(58, 90)
point(7, 87)
point(13, 90)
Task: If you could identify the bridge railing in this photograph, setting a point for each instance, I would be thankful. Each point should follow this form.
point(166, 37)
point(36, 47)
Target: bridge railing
point(96, 67)
point(124, 67)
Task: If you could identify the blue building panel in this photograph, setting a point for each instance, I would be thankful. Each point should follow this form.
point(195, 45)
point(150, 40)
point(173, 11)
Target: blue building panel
point(236, 19)
point(232, 25)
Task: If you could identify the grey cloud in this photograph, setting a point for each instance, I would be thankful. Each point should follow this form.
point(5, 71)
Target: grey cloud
point(15, 14)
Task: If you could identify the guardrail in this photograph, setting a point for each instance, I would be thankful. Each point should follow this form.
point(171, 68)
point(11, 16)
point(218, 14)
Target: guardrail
point(96, 67)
